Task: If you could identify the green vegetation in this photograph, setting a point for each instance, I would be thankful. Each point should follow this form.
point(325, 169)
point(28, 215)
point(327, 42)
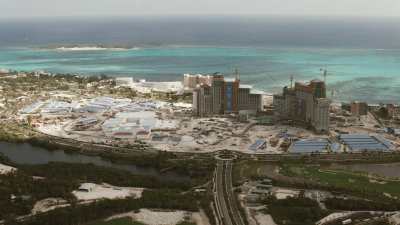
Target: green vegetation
point(250, 170)
point(4, 159)
point(119, 221)
point(75, 172)
point(294, 211)
point(383, 221)
point(205, 204)
point(28, 190)
point(382, 113)
point(13, 132)
point(342, 180)
point(360, 204)
point(60, 179)
point(313, 176)
point(195, 168)
point(81, 214)
point(199, 170)
point(361, 218)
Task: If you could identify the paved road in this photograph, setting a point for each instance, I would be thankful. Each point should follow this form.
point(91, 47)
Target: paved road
point(227, 209)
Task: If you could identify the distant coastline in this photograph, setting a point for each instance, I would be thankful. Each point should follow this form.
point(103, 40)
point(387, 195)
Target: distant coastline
point(88, 47)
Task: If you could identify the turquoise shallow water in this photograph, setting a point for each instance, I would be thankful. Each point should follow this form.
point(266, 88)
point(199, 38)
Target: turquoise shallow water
point(354, 74)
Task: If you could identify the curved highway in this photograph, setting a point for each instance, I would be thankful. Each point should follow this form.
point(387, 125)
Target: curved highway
point(226, 204)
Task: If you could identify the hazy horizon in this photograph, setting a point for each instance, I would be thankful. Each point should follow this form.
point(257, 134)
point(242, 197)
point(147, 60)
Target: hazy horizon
point(201, 17)
point(267, 31)
point(107, 8)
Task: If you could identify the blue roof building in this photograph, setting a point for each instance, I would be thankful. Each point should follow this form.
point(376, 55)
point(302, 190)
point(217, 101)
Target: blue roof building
point(309, 146)
point(336, 147)
point(259, 144)
point(365, 142)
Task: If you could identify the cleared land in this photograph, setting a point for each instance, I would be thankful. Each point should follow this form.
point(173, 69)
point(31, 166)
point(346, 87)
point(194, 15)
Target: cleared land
point(4, 169)
point(106, 191)
point(156, 217)
point(119, 221)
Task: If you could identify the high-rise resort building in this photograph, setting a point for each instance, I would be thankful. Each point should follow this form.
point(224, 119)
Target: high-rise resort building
point(359, 108)
point(305, 103)
point(191, 81)
point(225, 96)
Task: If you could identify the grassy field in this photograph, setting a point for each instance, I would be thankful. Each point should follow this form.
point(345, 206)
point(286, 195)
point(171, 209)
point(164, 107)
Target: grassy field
point(342, 179)
point(119, 221)
point(245, 170)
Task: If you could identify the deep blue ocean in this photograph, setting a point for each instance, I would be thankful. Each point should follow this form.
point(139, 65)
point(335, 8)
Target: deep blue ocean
point(362, 55)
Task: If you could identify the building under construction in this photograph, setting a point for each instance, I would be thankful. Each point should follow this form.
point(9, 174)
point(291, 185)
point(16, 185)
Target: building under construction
point(225, 96)
point(190, 81)
point(306, 103)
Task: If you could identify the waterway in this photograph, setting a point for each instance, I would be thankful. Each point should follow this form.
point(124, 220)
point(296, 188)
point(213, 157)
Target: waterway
point(24, 153)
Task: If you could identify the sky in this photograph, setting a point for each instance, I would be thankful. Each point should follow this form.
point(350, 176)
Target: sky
point(73, 8)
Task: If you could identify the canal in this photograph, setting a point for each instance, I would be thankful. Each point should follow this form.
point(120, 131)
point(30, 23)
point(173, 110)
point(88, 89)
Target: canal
point(25, 153)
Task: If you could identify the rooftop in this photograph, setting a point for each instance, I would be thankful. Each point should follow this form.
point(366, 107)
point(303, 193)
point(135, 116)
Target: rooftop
point(256, 92)
point(309, 146)
point(365, 142)
point(257, 145)
point(87, 186)
point(246, 86)
point(230, 79)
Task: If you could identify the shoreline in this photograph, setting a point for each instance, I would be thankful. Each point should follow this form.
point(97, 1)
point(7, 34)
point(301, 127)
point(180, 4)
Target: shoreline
point(342, 81)
point(110, 76)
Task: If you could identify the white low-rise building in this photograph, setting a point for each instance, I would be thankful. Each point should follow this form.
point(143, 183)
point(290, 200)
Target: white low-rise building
point(138, 124)
point(124, 81)
point(4, 71)
point(59, 107)
point(87, 187)
point(33, 108)
point(145, 87)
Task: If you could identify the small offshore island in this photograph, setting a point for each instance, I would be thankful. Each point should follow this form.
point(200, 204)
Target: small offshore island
point(204, 150)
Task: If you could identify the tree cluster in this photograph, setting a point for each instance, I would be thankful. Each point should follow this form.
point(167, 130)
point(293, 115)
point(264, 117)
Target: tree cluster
point(294, 211)
point(81, 214)
point(361, 205)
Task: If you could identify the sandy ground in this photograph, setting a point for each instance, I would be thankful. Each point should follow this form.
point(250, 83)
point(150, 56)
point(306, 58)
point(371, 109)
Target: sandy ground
point(283, 193)
point(255, 217)
point(197, 134)
point(4, 169)
point(395, 219)
point(52, 129)
point(200, 218)
point(214, 134)
point(108, 192)
point(332, 217)
point(264, 219)
point(49, 204)
point(151, 217)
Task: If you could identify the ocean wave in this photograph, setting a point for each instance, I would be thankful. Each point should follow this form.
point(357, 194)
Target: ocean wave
point(93, 48)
